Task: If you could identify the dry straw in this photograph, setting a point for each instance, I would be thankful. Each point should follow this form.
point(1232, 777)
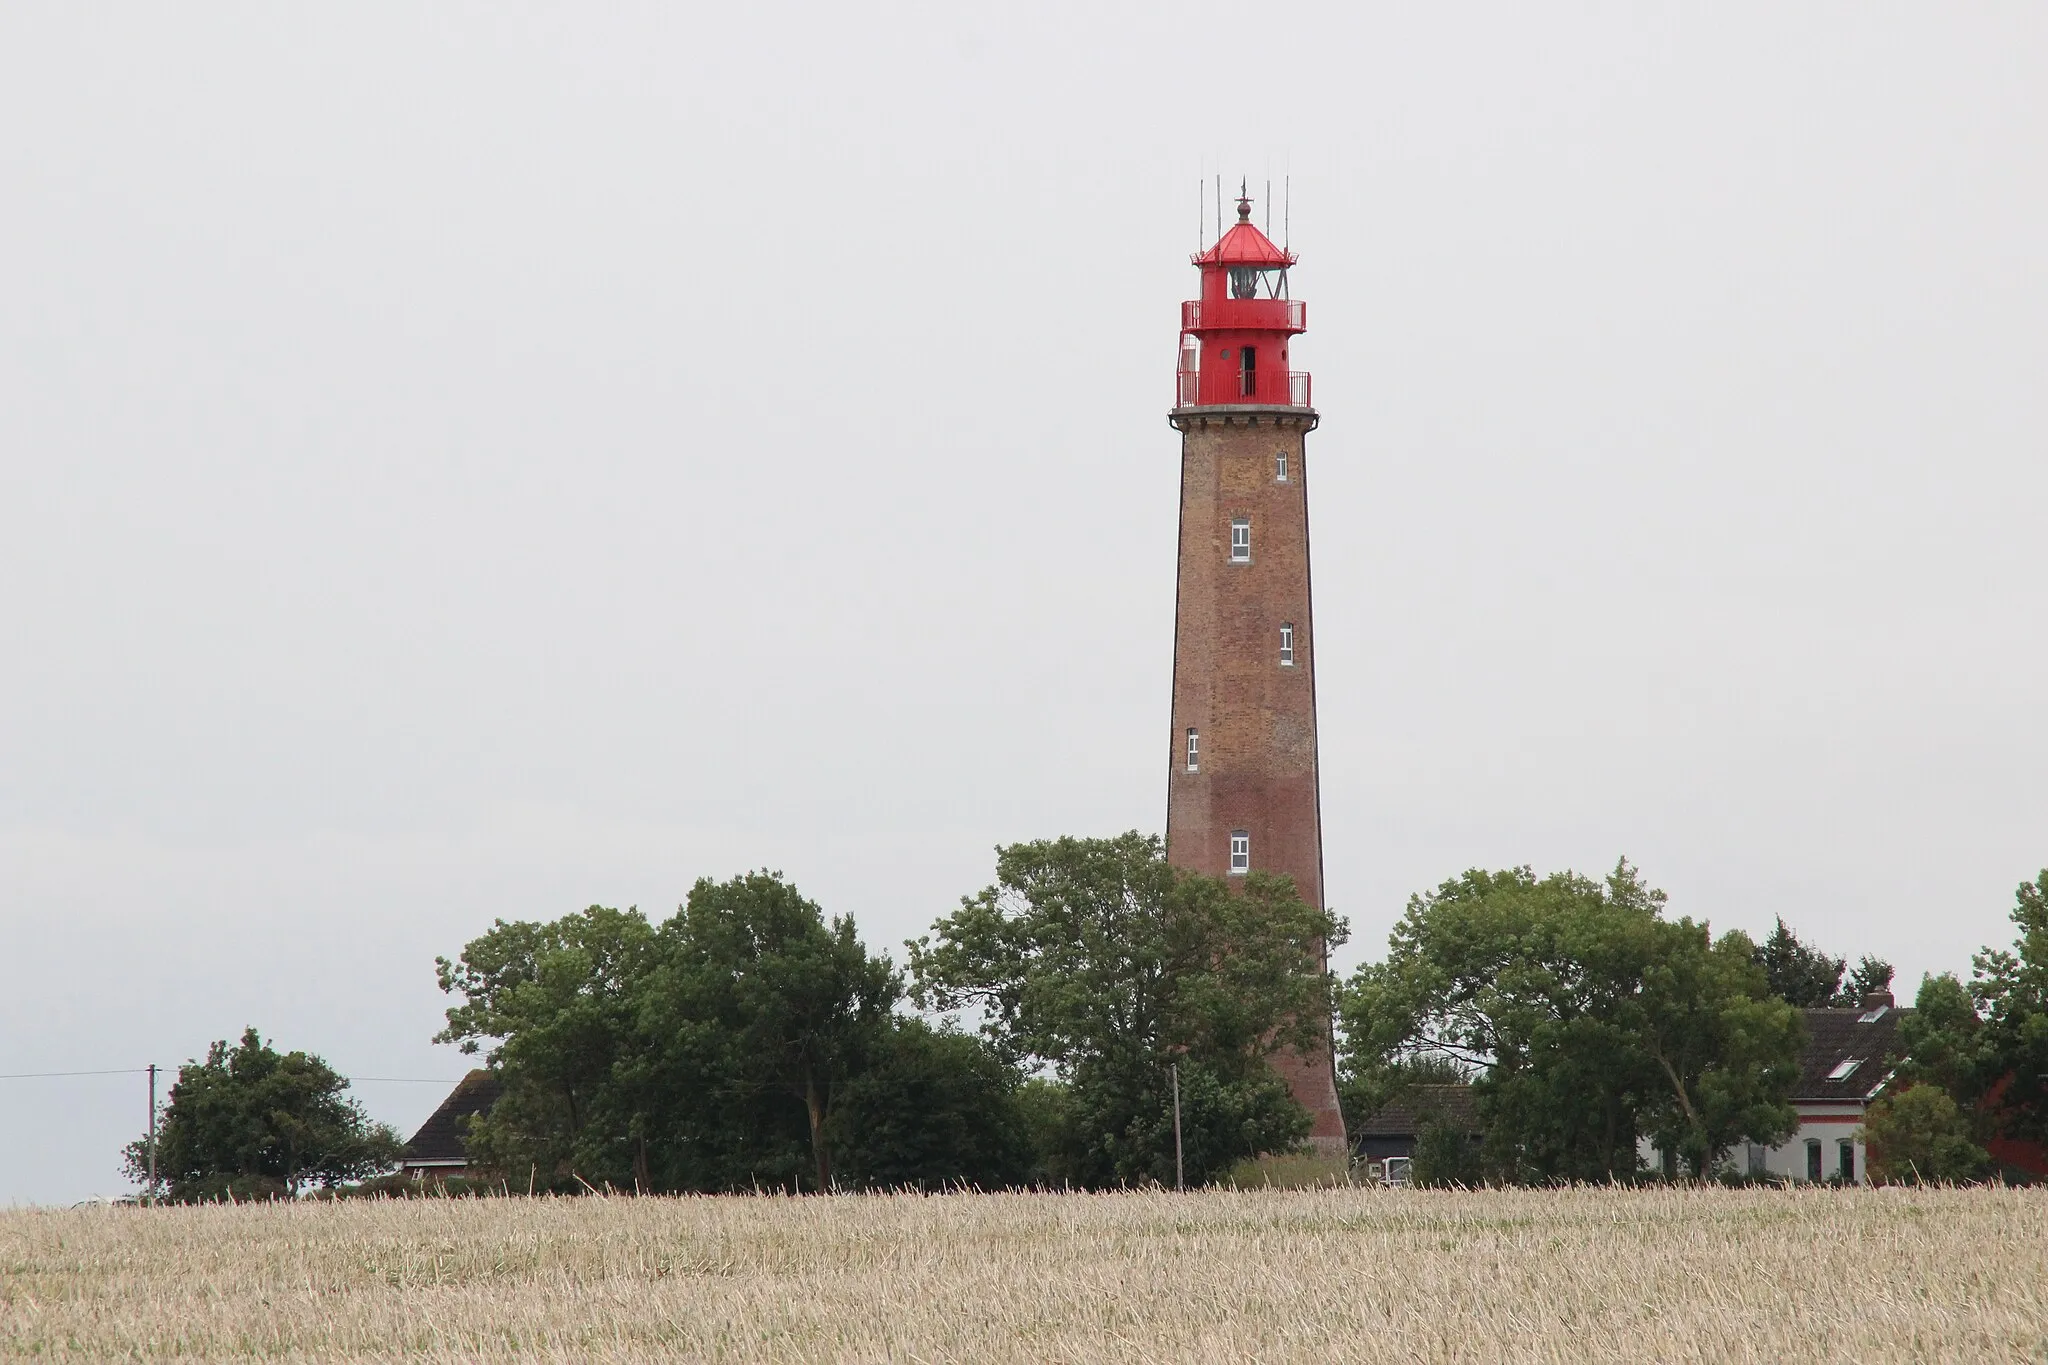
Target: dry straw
point(1276, 1276)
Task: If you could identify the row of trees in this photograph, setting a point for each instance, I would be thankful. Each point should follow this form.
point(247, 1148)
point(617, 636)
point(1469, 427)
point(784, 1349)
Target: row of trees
point(750, 1041)
point(1808, 978)
point(1976, 1058)
point(1587, 1019)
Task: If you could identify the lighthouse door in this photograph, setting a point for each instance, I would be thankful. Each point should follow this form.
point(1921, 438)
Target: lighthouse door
point(1251, 370)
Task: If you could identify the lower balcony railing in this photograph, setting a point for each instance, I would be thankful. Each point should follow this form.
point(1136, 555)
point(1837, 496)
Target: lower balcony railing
point(1272, 388)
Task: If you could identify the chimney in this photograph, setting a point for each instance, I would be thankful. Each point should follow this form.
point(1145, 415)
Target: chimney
point(1877, 1000)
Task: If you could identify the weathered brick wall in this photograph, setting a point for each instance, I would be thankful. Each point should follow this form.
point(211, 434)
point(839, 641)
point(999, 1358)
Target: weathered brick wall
point(1256, 716)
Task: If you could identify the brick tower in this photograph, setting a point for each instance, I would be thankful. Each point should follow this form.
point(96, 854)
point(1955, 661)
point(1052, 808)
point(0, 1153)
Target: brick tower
point(1243, 792)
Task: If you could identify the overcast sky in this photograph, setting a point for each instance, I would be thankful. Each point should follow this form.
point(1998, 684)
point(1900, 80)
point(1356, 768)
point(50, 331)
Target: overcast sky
point(464, 461)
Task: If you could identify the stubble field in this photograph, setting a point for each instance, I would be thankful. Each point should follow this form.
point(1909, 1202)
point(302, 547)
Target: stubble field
point(1355, 1275)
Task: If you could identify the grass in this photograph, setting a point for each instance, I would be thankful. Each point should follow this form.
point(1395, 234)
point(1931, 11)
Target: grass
point(1256, 1275)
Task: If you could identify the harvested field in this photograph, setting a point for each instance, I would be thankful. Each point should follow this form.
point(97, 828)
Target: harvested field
point(1313, 1275)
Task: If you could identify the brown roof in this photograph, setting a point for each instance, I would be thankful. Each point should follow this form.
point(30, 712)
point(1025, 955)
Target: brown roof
point(1420, 1105)
point(1834, 1037)
point(440, 1138)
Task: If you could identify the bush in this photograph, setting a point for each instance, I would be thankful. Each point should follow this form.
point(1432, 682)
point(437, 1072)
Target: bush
point(1445, 1155)
point(932, 1109)
point(1917, 1135)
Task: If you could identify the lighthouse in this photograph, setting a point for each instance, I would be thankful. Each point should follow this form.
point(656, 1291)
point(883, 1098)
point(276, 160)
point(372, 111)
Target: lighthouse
point(1243, 792)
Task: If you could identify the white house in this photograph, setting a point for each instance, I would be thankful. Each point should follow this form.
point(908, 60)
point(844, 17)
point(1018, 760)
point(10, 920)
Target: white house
point(1848, 1060)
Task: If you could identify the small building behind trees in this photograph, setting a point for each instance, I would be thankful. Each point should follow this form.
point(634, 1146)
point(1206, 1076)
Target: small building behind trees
point(1851, 1056)
point(439, 1150)
point(1849, 1059)
point(1384, 1144)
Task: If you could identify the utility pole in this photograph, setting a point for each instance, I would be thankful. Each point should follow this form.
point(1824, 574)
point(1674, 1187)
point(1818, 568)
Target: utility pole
point(1179, 1173)
point(152, 1132)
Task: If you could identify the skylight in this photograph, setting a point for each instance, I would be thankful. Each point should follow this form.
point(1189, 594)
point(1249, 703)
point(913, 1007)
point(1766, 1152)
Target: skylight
point(1872, 1016)
point(1845, 1068)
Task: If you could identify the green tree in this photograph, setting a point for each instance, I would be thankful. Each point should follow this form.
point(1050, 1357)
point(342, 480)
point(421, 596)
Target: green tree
point(1445, 1154)
point(1593, 1021)
point(711, 1052)
point(760, 999)
point(933, 1108)
point(253, 1122)
point(1870, 975)
point(1917, 1134)
point(1098, 959)
point(1799, 974)
point(557, 1006)
point(2010, 988)
point(1943, 1044)
point(1986, 1044)
point(1726, 1046)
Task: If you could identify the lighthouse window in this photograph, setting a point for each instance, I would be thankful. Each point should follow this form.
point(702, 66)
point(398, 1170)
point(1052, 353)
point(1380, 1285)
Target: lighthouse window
point(1240, 851)
point(1194, 750)
point(1287, 644)
point(1280, 467)
point(1244, 282)
point(1241, 541)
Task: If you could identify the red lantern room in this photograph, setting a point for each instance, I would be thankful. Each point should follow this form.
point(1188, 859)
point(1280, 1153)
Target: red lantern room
point(1233, 339)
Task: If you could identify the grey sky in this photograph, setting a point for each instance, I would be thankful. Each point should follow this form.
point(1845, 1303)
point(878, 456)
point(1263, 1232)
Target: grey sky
point(459, 462)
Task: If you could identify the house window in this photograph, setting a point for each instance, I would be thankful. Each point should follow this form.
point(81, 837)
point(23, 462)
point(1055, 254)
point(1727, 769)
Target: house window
point(1813, 1159)
point(1397, 1170)
point(1240, 851)
point(1845, 1068)
point(1194, 750)
point(1280, 467)
point(1287, 644)
point(1846, 1152)
point(1241, 541)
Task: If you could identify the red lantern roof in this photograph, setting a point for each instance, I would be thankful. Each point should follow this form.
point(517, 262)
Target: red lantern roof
point(1245, 245)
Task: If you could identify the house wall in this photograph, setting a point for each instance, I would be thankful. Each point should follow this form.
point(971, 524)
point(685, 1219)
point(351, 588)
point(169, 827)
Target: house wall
point(1827, 1124)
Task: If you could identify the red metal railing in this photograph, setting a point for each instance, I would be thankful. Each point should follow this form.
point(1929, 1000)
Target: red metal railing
point(1272, 388)
point(1275, 315)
